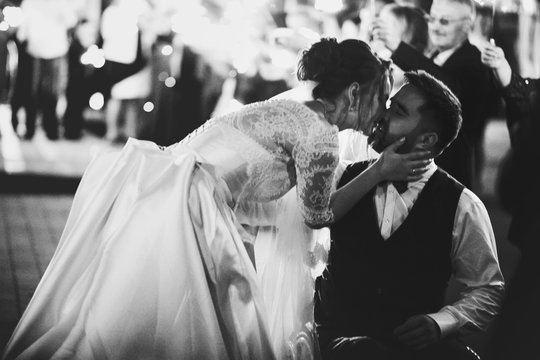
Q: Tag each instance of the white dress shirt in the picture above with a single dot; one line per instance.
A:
(45, 26)
(473, 254)
(120, 30)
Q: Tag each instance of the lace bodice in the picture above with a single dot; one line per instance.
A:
(266, 148)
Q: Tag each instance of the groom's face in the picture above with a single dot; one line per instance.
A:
(401, 119)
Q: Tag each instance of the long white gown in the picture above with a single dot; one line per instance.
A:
(152, 263)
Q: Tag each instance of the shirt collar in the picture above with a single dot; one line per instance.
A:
(443, 55)
(431, 168)
(420, 183)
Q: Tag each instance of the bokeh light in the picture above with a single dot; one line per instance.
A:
(97, 101)
(93, 56)
(13, 15)
(148, 106)
(167, 50)
(170, 82)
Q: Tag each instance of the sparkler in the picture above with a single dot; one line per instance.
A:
(492, 4)
(493, 10)
(372, 7)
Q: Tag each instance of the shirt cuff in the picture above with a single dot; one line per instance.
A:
(516, 88)
(448, 324)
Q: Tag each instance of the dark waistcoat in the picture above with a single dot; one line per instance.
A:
(372, 285)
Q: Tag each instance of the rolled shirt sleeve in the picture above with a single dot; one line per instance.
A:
(475, 266)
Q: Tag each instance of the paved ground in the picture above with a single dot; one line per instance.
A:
(37, 181)
(41, 157)
(30, 227)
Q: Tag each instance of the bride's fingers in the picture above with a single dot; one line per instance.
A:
(418, 155)
(417, 173)
(414, 177)
(419, 170)
(489, 57)
(393, 147)
(419, 164)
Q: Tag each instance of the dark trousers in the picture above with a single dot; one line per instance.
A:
(48, 83)
(76, 92)
(363, 347)
(84, 80)
(22, 87)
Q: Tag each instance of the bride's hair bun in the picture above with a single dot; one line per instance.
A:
(334, 65)
(320, 61)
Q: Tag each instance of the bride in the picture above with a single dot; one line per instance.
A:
(153, 262)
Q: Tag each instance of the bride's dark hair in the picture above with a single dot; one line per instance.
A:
(334, 65)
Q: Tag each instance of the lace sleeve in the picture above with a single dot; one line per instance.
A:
(316, 158)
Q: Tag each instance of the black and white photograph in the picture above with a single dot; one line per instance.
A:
(269, 179)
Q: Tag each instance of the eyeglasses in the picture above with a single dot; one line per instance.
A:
(443, 21)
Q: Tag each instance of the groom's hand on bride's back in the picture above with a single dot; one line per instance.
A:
(418, 332)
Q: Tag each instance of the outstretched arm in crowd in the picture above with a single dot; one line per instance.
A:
(493, 56)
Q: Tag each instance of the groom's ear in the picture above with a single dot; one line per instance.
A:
(427, 141)
(353, 93)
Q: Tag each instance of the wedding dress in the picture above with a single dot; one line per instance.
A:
(152, 263)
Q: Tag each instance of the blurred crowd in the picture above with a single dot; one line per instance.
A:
(157, 69)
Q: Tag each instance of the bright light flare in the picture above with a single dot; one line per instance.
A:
(93, 56)
(97, 101)
(282, 58)
(13, 15)
(170, 82)
(191, 16)
(148, 106)
(329, 6)
(244, 57)
(167, 50)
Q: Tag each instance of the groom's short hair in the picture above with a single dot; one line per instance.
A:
(441, 111)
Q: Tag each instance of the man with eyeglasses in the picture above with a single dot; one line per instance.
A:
(455, 61)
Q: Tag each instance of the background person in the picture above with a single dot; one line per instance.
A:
(516, 332)
(456, 62)
(45, 32)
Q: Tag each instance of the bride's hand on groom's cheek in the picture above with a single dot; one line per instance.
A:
(394, 166)
(418, 332)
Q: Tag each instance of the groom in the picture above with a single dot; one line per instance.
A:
(382, 293)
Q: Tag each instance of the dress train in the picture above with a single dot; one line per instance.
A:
(151, 264)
